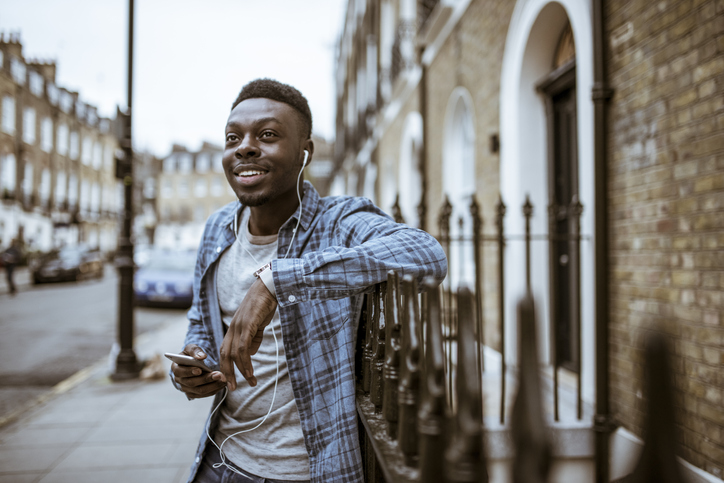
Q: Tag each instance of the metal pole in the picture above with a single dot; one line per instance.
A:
(602, 93)
(127, 366)
(500, 214)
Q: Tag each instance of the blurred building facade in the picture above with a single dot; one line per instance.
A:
(146, 170)
(500, 100)
(192, 185)
(56, 160)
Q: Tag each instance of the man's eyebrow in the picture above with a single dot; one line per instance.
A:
(259, 121)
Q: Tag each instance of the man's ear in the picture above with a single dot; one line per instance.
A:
(308, 146)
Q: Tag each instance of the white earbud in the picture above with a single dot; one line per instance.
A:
(306, 156)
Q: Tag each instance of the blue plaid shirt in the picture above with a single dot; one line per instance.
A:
(344, 247)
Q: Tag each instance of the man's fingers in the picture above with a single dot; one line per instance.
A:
(226, 362)
(194, 351)
(202, 386)
(242, 353)
(185, 371)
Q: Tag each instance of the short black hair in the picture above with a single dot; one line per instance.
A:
(277, 91)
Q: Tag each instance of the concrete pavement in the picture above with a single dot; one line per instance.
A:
(93, 430)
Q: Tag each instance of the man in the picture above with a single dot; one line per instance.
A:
(11, 257)
(278, 290)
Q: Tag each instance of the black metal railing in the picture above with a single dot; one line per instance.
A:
(410, 431)
(486, 262)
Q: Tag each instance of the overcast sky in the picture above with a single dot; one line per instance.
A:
(191, 57)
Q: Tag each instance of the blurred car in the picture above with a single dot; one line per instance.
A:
(68, 264)
(165, 280)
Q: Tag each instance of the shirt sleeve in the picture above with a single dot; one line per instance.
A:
(367, 244)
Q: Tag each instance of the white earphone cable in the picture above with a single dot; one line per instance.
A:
(276, 342)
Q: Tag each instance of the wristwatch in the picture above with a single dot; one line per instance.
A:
(265, 267)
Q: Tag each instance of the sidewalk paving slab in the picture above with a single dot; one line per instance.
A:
(102, 431)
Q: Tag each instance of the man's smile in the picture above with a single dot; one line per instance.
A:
(249, 174)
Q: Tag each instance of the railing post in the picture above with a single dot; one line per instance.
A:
(464, 458)
(575, 211)
(499, 216)
(530, 435)
(553, 210)
(431, 417)
(378, 347)
(410, 374)
(391, 372)
(397, 211)
(478, 257)
(367, 353)
(527, 213)
(658, 462)
(447, 319)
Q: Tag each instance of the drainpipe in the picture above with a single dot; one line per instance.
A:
(601, 95)
(422, 207)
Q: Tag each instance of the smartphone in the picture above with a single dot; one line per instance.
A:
(184, 360)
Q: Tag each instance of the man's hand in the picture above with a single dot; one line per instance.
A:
(245, 333)
(193, 381)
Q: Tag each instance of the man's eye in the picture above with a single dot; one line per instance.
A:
(230, 138)
(267, 134)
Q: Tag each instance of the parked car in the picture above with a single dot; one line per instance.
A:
(165, 280)
(67, 264)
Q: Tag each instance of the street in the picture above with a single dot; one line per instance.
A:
(51, 331)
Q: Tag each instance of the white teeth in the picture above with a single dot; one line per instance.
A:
(250, 173)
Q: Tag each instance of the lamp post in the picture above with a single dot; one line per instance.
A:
(127, 366)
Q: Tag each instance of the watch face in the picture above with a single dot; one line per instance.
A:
(265, 267)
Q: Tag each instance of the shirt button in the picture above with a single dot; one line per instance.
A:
(218, 249)
(198, 459)
(292, 298)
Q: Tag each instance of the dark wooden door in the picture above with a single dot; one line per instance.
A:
(564, 184)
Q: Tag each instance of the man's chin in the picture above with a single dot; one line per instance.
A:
(247, 199)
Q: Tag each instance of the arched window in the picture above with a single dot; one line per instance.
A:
(409, 176)
(458, 173)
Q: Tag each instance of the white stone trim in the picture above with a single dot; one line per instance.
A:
(524, 159)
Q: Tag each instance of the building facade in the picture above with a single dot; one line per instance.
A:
(56, 160)
(614, 137)
(191, 186)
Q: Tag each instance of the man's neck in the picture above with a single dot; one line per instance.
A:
(268, 219)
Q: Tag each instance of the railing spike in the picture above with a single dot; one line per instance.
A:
(431, 416)
(367, 352)
(478, 258)
(658, 462)
(464, 458)
(530, 435)
(378, 347)
(397, 211)
(410, 374)
(391, 371)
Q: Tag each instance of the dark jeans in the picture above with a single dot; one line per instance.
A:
(9, 269)
(208, 474)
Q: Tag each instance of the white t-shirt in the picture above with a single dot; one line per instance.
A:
(276, 449)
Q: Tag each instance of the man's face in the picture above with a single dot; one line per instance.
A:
(263, 151)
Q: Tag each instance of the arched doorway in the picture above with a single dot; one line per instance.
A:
(547, 123)
(559, 91)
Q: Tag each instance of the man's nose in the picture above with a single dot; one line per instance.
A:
(247, 147)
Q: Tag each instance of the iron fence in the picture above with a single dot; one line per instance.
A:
(420, 368)
(411, 433)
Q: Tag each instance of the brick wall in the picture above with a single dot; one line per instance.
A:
(472, 57)
(666, 185)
